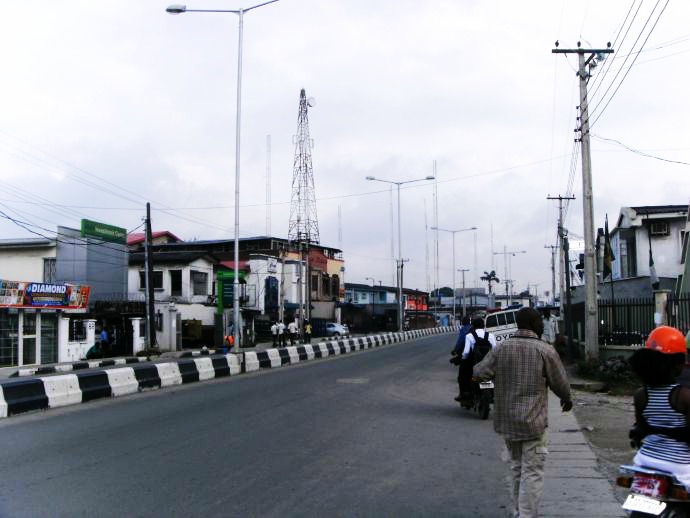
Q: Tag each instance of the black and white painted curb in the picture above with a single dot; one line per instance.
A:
(24, 395)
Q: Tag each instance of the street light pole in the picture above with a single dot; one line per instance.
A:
(464, 301)
(179, 9)
(454, 232)
(399, 261)
(506, 266)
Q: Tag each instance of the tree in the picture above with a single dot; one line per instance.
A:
(490, 277)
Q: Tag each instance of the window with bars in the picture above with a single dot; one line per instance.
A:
(199, 283)
(157, 280)
(49, 265)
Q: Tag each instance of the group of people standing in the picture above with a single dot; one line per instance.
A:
(281, 333)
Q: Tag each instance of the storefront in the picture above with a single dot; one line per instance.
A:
(31, 316)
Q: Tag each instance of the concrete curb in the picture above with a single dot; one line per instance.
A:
(25, 395)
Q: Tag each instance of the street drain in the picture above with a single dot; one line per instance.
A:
(353, 381)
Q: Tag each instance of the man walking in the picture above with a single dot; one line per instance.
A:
(274, 333)
(524, 368)
(292, 331)
(281, 333)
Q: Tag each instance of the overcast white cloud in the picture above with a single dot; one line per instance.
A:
(105, 108)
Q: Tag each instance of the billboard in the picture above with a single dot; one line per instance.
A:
(104, 232)
(24, 294)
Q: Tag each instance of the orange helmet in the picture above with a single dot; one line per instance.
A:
(667, 340)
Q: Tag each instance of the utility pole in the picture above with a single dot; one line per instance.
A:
(562, 263)
(464, 298)
(553, 272)
(584, 68)
(150, 301)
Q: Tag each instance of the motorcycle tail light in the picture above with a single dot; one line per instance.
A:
(679, 493)
(650, 485)
(624, 480)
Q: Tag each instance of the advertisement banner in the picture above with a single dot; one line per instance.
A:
(23, 294)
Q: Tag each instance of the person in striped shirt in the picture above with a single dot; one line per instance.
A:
(662, 406)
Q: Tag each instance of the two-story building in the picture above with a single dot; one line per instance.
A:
(640, 232)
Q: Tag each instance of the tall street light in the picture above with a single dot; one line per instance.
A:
(179, 9)
(464, 300)
(454, 232)
(506, 267)
(400, 259)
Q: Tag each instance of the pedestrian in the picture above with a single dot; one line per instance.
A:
(105, 341)
(307, 332)
(524, 368)
(292, 331)
(456, 354)
(550, 327)
(281, 333)
(274, 333)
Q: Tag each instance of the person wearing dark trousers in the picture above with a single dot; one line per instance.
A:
(456, 353)
(307, 332)
(274, 333)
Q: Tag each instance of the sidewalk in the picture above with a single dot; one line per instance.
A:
(573, 483)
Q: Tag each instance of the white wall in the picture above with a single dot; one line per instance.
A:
(24, 264)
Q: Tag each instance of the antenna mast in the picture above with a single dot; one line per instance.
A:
(303, 226)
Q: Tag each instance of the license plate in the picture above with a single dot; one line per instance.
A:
(644, 504)
(486, 384)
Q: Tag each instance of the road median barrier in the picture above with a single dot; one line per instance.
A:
(87, 384)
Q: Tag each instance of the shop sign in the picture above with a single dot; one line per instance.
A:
(102, 231)
(23, 294)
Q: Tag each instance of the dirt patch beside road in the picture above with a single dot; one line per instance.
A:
(605, 420)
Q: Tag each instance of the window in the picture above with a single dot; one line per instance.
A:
(199, 283)
(660, 228)
(491, 321)
(335, 286)
(628, 254)
(510, 318)
(157, 280)
(501, 319)
(49, 269)
(176, 283)
(325, 285)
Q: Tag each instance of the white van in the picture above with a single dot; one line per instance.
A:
(502, 324)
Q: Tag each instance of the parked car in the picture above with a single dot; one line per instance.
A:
(335, 329)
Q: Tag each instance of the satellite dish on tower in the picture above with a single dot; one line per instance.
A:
(311, 102)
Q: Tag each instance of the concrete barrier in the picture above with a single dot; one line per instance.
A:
(122, 381)
(86, 384)
(169, 374)
(62, 390)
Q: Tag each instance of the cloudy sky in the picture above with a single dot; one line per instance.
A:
(104, 108)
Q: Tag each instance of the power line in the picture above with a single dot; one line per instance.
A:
(638, 152)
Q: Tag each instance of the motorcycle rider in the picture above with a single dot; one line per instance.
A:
(662, 406)
(456, 354)
(477, 332)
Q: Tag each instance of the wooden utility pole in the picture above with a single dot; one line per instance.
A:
(591, 321)
(561, 236)
(553, 272)
(150, 301)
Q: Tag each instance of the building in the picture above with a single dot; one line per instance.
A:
(641, 232)
(370, 307)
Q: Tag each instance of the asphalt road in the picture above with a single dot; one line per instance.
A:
(373, 433)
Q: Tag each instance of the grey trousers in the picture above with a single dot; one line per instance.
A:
(527, 460)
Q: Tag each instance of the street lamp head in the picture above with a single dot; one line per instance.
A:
(430, 178)
(370, 178)
(176, 9)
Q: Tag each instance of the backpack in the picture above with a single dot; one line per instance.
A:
(482, 346)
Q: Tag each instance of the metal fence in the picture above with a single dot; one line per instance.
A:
(629, 321)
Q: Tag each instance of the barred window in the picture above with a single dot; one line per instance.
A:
(199, 283)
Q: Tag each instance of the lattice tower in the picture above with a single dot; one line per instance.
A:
(304, 225)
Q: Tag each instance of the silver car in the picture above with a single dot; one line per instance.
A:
(335, 329)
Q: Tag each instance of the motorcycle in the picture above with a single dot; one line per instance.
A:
(653, 492)
(482, 397)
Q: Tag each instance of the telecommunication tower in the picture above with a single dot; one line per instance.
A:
(304, 225)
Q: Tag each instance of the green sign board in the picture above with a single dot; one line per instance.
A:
(226, 288)
(104, 232)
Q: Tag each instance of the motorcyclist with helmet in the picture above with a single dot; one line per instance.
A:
(662, 406)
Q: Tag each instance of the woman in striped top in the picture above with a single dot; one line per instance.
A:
(662, 406)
